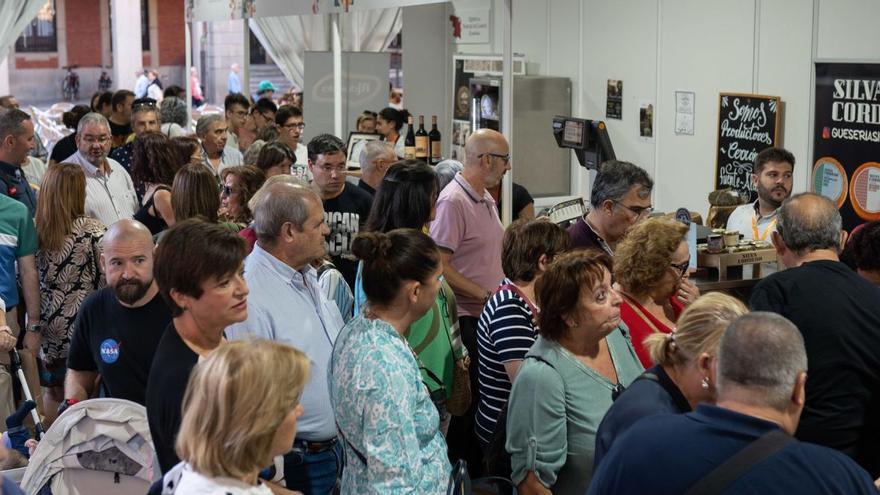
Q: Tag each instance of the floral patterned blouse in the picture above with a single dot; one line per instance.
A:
(67, 276)
(389, 425)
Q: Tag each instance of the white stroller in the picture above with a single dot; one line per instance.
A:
(97, 446)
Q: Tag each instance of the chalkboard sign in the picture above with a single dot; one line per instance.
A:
(746, 125)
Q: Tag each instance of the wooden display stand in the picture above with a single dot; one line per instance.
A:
(724, 260)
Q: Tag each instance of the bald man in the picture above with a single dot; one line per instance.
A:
(836, 312)
(118, 327)
(468, 231)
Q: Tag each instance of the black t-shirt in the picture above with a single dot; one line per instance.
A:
(119, 129)
(118, 342)
(838, 313)
(346, 214)
(521, 199)
(366, 187)
(64, 148)
(168, 378)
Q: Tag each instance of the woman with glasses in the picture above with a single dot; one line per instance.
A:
(507, 328)
(239, 186)
(681, 378)
(384, 414)
(651, 264)
(580, 362)
(405, 200)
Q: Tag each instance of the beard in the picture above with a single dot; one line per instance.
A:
(131, 291)
(766, 195)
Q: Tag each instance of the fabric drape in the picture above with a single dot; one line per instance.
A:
(14, 17)
(286, 38)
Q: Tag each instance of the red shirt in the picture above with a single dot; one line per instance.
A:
(642, 323)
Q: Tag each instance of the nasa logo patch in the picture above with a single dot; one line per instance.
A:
(109, 351)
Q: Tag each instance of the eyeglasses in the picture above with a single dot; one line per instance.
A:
(102, 140)
(506, 157)
(640, 211)
(142, 103)
(290, 127)
(682, 268)
(227, 191)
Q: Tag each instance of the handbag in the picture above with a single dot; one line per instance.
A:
(460, 399)
(460, 482)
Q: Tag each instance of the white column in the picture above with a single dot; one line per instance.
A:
(127, 50)
(337, 77)
(4, 73)
(507, 107)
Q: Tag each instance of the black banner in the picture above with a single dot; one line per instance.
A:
(846, 140)
(746, 125)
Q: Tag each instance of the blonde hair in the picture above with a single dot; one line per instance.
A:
(62, 199)
(643, 256)
(699, 330)
(235, 402)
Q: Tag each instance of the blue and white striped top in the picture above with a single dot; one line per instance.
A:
(505, 333)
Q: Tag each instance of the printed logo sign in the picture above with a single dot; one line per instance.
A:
(109, 351)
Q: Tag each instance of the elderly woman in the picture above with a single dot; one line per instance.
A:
(67, 260)
(651, 264)
(680, 380)
(199, 268)
(220, 453)
(507, 329)
(383, 411)
(239, 186)
(172, 111)
(581, 360)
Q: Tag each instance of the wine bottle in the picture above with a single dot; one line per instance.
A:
(409, 144)
(423, 150)
(436, 142)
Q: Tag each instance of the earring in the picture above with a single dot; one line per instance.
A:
(705, 383)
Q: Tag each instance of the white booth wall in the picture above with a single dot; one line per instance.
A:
(657, 47)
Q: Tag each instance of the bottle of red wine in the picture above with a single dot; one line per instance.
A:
(409, 143)
(436, 142)
(423, 150)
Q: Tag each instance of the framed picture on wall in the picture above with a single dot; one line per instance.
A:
(356, 142)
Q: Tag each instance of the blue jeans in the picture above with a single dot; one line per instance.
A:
(313, 474)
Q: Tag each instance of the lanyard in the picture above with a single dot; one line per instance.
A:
(763, 236)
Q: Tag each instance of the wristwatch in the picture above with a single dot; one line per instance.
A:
(34, 327)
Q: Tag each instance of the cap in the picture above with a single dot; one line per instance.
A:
(265, 86)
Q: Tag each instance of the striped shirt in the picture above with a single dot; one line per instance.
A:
(505, 333)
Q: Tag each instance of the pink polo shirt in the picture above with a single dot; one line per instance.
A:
(468, 225)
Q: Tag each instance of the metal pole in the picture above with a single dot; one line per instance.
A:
(337, 76)
(507, 108)
(187, 30)
(246, 66)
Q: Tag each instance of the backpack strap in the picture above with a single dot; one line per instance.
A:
(741, 463)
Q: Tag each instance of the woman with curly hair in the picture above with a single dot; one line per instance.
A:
(239, 185)
(153, 164)
(651, 265)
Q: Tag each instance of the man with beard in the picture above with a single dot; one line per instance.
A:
(118, 327)
(772, 177)
(110, 194)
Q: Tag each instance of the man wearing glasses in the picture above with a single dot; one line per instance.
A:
(144, 118)
(110, 194)
(621, 197)
(290, 129)
(346, 206)
(468, 232)
(236, 105)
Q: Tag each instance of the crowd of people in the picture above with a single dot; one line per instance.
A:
(366, 336)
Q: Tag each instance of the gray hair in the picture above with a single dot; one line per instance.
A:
(92, 118)
(280, 203)
(373, 151)
(11, 122)
(253, 152)
(763, 353)
(173, 110)
(205, 122)
(285, 178)
(810, 226)
(615, 179)
(446, 170)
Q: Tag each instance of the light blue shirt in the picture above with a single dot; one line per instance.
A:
(288, 306)
(233, 83)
